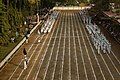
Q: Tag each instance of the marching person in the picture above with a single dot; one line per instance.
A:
(24, 51)
(25, 58)
(27, 34)
(38, 32)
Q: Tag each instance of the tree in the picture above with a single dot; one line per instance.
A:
(101, 4)
(4, 25)
(115, 1)
(13, 13)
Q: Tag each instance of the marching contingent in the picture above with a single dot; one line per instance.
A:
(47, 26)
(98, 39)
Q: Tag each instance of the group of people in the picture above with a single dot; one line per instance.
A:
(98, 39)
(47, 26)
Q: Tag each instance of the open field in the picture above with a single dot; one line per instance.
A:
(64, 54)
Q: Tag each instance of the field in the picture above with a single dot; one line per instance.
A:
(66, 53)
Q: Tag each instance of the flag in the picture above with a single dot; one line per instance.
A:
(24, 51)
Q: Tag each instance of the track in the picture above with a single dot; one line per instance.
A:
(64, 54)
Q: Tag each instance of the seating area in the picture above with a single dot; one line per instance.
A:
(48, 24)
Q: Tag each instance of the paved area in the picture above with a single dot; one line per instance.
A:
(64, 54)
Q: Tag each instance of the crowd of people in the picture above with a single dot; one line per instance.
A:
(47, 26)
(97, 37)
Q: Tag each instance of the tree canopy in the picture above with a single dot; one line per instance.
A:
(13, 13)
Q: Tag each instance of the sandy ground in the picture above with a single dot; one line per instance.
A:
(66, 53)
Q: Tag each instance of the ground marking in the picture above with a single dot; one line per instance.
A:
(69, 51)
(87, 53)
(57, 52)
(75, 48)
(63, 52)
(107, 66)
(22, 60)
(95, 55)
(44, 55)
(51, 54)
(30, 57)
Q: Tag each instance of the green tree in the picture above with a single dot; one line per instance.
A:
(101, 4)
(4, 24)
(115, 1)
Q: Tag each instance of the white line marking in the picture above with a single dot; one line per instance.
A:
(44, 56)
(87, 53)
(95, 55)
(82, 56)
(51, 54)
(114, 65)
(69, 51)
(107, 66)
(115, 57)
(69, 36)
(36, 58)
(21, 61)
(57, 52)
(30, 58)
(75, 47)
(63, 53)
(103, 60)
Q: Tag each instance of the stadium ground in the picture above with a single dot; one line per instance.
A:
(66, 53)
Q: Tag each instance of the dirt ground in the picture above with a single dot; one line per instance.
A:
(66, 53)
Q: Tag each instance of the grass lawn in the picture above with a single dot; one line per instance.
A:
(5, 50)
